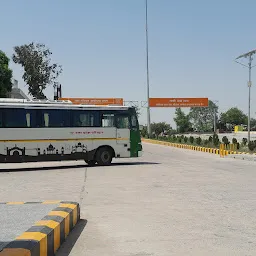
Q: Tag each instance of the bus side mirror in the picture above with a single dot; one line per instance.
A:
(141, 127)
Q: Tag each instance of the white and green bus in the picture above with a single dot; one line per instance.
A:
(32, 131)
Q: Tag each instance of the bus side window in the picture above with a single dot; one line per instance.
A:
(15, 118)
(122, 122)
(46, 119)
(107, 120)
(1, 119)
(28, 119)
(56, 118)
(30, 115)
(134, 121)
(86, 120)
(82, 118)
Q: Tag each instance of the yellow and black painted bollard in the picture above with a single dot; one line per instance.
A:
(222, 150)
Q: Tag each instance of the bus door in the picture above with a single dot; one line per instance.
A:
(123, 133)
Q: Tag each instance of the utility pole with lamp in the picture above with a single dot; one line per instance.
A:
(215, 117)
(148, 107)
(249, 66)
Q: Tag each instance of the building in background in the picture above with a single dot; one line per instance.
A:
(16, 92)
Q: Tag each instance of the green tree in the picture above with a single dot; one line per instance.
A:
(38, 70)
(233, 116)
(144, 131)
(162, 127)
(5, 76)
(182, 121)
(202, 118)
(253, 122)
(137, 109)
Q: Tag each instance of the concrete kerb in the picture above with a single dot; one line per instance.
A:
(46, 236)
(220, 152)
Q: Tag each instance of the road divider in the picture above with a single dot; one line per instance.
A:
(46, 236)
(223, 151)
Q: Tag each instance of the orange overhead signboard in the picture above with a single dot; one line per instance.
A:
(178, 102)
(96, 101)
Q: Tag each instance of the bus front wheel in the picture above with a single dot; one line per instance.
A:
(104, 156)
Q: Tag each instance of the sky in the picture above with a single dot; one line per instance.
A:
(101, 47)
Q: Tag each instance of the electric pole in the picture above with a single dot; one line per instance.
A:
(148, 107)
(249, 66)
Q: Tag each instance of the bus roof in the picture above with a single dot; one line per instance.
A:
(9, 102)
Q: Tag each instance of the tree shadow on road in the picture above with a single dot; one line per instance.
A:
(72, 238)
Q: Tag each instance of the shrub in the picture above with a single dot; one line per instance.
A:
(144, 133)
(153, 136)
(215, 140)
(164, 138)
(251, 145)
(225, 140)
(244, 141)
(174, 138)
(182, 137)
(185, 139)
(205, 142)
(210, 139)
(191, 139)
(237, 145)
(179, 139)
(234, 141)
(198, 141)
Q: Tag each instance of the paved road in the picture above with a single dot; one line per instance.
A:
(172, 202)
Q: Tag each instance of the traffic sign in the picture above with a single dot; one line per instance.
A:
(178, 102)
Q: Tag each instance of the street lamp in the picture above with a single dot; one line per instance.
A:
(148, 107)
(249, 56)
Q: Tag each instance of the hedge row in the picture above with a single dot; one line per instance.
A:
(212, 141)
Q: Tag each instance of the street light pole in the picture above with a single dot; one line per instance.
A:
(215, 117)
(249, 98)
(148, 107)
(214, 125)
(249, 56)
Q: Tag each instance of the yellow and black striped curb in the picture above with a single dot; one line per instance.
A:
(222, 152)
(45, 236)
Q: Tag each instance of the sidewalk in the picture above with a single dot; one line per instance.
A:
(247, 157)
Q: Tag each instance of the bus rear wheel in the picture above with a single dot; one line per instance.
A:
(91, 162)
(104, 156)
